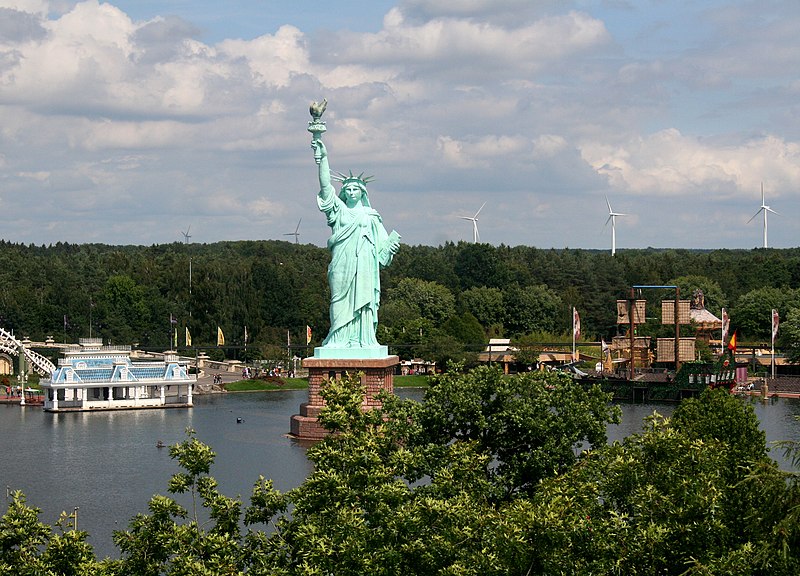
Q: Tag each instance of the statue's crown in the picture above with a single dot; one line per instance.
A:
(346, 179)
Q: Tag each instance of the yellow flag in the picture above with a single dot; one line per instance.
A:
(188, 337)
(220, 337)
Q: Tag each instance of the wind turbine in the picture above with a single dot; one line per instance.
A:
(186, 234)
(475, 236)
(296, 232)
(612, 217)
(764, 208)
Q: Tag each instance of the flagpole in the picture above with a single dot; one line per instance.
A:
(774, 322)
(573, 334)
(773, 357)
(725, 325)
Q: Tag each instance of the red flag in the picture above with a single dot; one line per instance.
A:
(732, 343)
(576, 324)
(308, 334)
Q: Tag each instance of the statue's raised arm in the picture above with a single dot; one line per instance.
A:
(321, 158)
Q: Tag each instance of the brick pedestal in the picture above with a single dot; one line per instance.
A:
(377, 376)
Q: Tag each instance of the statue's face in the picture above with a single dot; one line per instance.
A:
(352, 193)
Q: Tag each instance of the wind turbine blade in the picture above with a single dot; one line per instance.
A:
(479, 210)
(610, 211)
(754, 215)
(467, 218)
(768, 209)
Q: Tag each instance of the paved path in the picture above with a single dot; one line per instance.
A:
(206, 381)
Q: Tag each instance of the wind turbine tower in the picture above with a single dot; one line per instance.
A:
(475, 236)
(764, 208)
(612, 217)
(296, 232)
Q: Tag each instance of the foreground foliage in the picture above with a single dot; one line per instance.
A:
(489, 475)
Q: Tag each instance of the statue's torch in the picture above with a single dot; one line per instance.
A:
(316, 126)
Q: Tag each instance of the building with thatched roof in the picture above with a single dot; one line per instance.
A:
(704, 321)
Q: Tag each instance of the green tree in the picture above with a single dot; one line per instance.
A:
(422, 299)
(467, 330)
(486, 304)
(752, 315)
(529, 426)
(203, 539)
(122, 311)
(361, 510)
(478, 265)
(531, 309)
(687, 495)
(29, 548)
(790, 334)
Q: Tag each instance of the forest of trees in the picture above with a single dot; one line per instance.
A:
(438, 302)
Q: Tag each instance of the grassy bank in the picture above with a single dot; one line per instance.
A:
(410, 381)
(302, 384)
(263, 385)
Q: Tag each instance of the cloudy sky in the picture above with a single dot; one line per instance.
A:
(129, 121)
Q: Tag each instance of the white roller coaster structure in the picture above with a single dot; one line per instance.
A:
(10, 345)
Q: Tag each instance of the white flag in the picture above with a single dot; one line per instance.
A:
(726, 324)
(775, 323)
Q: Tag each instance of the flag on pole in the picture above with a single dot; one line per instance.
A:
(732, 343)
(175, 339)
(308, 334)
(726, 324)
(188, 337)
(220, 337)
(604, 347)
(576, 324)
(775, 323)
(245, 334)
(172, 319)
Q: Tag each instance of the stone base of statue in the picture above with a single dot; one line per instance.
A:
(377, 375)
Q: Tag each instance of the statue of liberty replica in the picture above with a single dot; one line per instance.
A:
(360, 247)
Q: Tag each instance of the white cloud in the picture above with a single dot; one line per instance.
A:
(672, 164)
(539, 107)
(40, 7)
(468, 44)
(273, 59)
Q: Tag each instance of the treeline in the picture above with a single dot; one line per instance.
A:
(436, 301)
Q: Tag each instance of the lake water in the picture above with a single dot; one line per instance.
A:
(107, 463)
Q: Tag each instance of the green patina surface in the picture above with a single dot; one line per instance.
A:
(360, 247)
